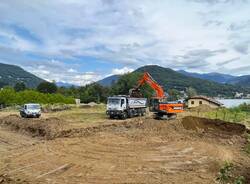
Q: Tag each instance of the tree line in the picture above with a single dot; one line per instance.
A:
(49, 93)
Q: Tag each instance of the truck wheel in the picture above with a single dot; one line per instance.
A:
(125, 115)
(130, 115)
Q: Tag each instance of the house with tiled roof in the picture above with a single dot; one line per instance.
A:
(196, 101)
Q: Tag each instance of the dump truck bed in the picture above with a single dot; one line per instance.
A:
(137, 102)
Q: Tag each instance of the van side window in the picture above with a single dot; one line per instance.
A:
(25, 107)
(192, 102)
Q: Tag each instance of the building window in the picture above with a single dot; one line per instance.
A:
(192, 102)
(200, 102)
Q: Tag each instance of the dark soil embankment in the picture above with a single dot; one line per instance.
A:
(45, 128)
(213, 126)
(52, 128)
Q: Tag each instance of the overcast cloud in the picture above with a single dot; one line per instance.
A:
(81, 41)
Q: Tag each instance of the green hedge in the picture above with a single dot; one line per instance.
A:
(8, 96)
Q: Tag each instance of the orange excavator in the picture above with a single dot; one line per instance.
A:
(158, 104)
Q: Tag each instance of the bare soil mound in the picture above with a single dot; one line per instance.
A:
(213, 126)
(46, 128)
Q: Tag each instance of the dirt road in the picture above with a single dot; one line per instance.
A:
(135, 151)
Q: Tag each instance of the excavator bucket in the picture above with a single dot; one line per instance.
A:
(135, 92)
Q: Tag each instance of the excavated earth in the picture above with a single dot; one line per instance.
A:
(139, 150)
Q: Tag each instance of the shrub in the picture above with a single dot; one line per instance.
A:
(8, 97)
(225, 173)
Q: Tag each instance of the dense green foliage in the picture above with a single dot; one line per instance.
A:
(11, 74)
(8, 96)
(47, 87)
(20, 86)
(244, 107)
(2, 84)
(93, 93)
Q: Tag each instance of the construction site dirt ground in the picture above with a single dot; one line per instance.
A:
(71, 148)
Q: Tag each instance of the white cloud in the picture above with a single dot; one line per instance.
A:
(71, 70)
(55, 70)
(117, 71)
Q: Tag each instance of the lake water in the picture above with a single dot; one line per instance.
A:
(233, 102)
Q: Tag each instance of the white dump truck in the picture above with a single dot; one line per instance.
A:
(126, 107)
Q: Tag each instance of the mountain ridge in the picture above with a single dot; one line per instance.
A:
(12, 74)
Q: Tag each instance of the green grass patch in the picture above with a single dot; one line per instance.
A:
(231, 115)
(226, 175)
(83, 115)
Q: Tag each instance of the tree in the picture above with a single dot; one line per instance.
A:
(191, 92)
(7, 96)
(173, 94)
(47, 87)
(93, 93)
(20, 86)
(2, 84)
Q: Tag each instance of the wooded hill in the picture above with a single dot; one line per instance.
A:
(11, 74)
(171, 79)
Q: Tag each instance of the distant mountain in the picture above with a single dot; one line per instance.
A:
(12, 74)
(108, 81)
(64, 84)
(241, 80)
(216, 77)
(171, 79)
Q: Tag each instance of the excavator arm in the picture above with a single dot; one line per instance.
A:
(152, 83)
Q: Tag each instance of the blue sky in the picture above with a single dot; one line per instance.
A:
(81, 41)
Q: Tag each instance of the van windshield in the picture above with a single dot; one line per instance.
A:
(34, 106)
(114, 101)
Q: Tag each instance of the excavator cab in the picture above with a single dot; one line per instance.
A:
(154, 104)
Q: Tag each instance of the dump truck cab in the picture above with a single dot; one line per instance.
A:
(117, 103)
